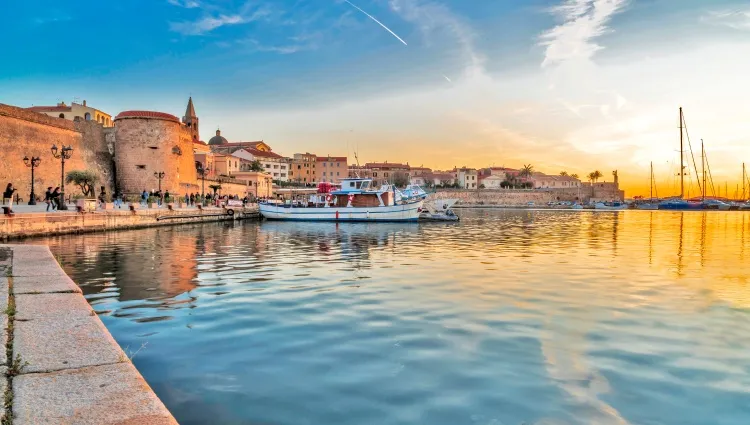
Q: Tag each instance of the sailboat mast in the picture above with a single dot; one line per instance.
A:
(652, 180)
(682, 165)
(744, 177)
(703, 171)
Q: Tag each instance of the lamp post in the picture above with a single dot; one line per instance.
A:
(64, 153)
(32, 163)
(160, 175)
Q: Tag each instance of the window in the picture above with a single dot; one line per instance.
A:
(153, 147)
(140, 167)
(374, 174)
(337, 173)
(324, 173)
(176, 150)
(385, 174)
(324, 164)
(268, 165)
(87, 116)
(61, 115)
(284, 174)
(275, 166)
(351, 184)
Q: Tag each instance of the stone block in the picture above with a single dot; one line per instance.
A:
(35, 260)
(51, 344)
(99, 395)
(44, 284)
(51, 306)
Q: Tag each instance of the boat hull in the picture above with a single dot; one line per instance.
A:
(395, 213)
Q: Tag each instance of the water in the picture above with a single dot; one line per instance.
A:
(508, 317)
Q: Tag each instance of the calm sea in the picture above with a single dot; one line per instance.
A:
(508, 317)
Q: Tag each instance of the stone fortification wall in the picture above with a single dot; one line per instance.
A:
(144, 146)
(509, 198)
(185, 170)
(26, 133)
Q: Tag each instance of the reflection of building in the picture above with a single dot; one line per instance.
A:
(75, 111)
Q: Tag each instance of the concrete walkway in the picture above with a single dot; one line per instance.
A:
(62, 365)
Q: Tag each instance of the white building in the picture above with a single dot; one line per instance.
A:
(467, 178)
(272, 163)
(492, 181)
(73, 111)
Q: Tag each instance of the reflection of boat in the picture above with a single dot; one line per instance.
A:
(439, 210)
(355, 201)
(610, 206)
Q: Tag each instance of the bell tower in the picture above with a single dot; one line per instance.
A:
(191, 120)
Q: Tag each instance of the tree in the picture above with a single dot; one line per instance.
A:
(595, 175)
(563, 173)
(256, 166)
(527, 171)
(214, 187)
(574, 175)
(446, 182)
(481, 186)
(400, 179)
(505, 184)
(84, 179)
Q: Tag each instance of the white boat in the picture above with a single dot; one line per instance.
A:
(610, 206)
(356, 201)
(577, 206)
(715, 204)
(439, 210)
(745, 206)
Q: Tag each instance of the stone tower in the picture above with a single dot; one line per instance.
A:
(191, 120)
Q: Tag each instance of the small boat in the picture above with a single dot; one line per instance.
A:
(439, 210)
(647, 206)
(355, 201)
(610, 206)
(577, 206)
(715, 204)
(652, 203)
(679, 204)
(745, 206)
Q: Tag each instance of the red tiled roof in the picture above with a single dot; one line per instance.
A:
(266, 154)
(386, 165)
(50, 109)
(331, 158)
(147, 114)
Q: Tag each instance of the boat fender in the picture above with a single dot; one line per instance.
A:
(230, 212)
(337, 215)
(329, 198)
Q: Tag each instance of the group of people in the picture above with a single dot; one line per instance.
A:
(51, 197)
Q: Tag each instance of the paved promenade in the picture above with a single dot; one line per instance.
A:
(61, 364)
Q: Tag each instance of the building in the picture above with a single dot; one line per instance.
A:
(331, 168)
(443, 178)
(80, 111)
(492, 181)
(467, 178)
(544, 181)
(190, 120)
(274, 164)
(303, 168)
(388, 173)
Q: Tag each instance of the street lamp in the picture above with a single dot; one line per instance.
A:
(32, 163)
(64, 153)
(160, 175)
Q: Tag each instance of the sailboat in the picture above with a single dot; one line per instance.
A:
(679, 203)
(652, 203)
(745, 205)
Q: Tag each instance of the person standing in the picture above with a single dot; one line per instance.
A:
(144, 197)
(55, 198)
(48, 198)
(8, 194)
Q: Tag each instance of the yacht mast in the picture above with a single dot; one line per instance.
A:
(703, 168)
(682, 165)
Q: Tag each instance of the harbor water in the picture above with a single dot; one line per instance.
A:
(507, 317)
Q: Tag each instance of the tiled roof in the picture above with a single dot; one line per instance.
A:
(50, 109)
(265, 154)
(147, 114)
(331, 158)
(386, 165)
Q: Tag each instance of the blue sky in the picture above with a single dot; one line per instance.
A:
(563, 84)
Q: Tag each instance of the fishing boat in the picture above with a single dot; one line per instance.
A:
(439, 210)
(356, 200)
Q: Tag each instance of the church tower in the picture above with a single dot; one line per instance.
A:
(191, 120)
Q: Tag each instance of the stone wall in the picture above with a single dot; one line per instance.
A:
(26, 133)
(503, 197)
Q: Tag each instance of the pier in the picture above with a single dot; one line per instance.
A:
(60, 364)
(27, 222)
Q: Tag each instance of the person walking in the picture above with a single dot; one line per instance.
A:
(48, 198)
(55, 198)
(191, 199)
(144, 197)
(8, 194)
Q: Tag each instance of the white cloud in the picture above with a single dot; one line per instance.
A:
(210, 23)
(582, 22)
(187, 4)
(735, 19)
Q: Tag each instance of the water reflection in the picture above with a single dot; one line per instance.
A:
(537, 317)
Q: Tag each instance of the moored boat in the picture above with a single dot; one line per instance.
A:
(610, 206)
(355, 201)
(439, 210)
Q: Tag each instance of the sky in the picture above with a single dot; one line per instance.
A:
(564, 85)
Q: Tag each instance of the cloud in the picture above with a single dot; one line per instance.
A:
(582, 22)
(210, 23)
(187, 4)
(51, 19)
(735, 19)
(433, 18)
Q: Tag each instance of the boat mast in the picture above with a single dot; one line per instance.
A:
(682, 165)
(703, 168)
(652, 180)
(744, 177)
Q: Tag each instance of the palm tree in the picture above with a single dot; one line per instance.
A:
(597, 175)
(527, 171)
(574, 175)
(563, 173)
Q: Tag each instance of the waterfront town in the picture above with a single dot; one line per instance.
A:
(119, 157)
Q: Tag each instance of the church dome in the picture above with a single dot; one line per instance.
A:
(217, 140)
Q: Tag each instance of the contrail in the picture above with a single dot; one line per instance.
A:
(447, 79)
(378, 22)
